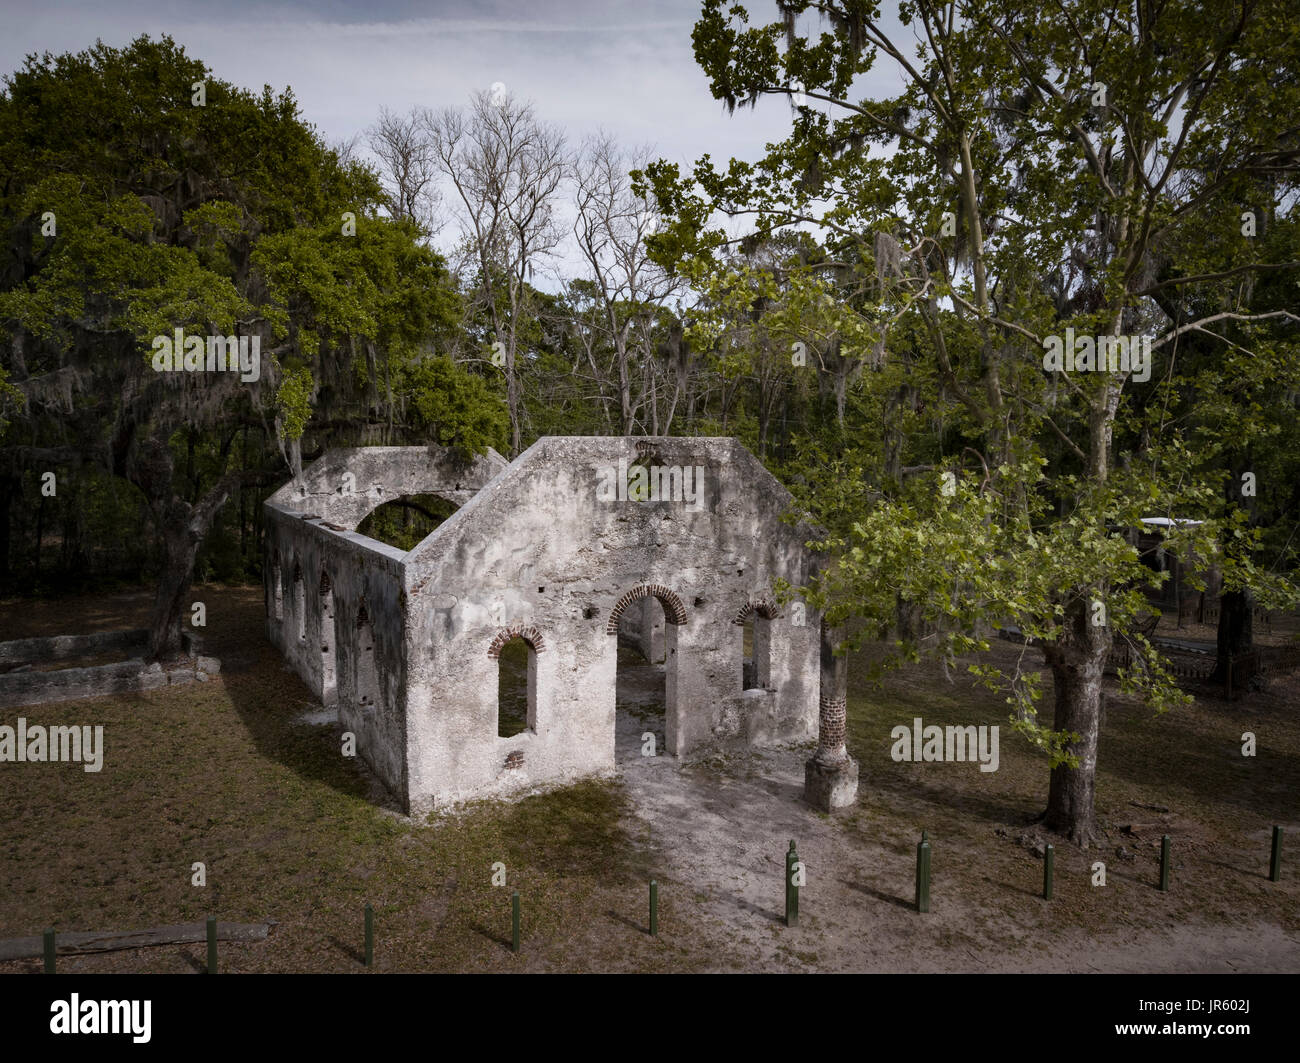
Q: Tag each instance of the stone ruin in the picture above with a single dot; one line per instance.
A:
(563, 548)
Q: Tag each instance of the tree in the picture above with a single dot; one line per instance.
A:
(505, 168)
(407, 167)
(146, 196)
(1040, 168)
(610, 226)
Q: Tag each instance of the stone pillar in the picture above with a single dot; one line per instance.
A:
(831, 776)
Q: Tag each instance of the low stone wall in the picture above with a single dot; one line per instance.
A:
(64, 684)
(58, 647)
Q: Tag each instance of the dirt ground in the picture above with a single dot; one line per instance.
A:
(239, 773)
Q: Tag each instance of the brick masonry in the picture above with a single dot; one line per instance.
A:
(674, 609)
(516, 631)
(764, 607)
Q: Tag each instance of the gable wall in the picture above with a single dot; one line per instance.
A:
(536, 548)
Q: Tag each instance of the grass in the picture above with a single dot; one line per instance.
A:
(290, 832)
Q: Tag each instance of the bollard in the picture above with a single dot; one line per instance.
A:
(514, 921)
(49, 952)
(1049, 866)
(1164, 863)
(654, 908)
(789, 872)
(370, 936)
(923, 873)
(791, 887)
(212, 944)
(1275, 861)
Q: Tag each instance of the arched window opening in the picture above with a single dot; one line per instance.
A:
(300, 601)
(327, 646)
(367, 674)
(755, 623)
(277, 591)
(516, 688)
(405, 522)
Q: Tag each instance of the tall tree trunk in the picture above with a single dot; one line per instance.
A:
(1078, 665)
(178, 549)
(1236, 632)
(181, 527)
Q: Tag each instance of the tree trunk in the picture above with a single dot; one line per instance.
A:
(1078, 664)
(179, 548)
(181, 527)
(1236, 629)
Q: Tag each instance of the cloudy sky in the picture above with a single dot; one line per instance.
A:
(624, 67)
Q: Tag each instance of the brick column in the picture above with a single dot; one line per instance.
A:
(831, 776)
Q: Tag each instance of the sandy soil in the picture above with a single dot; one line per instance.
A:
(724, 822)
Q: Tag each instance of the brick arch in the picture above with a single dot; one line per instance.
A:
(674, 610)
(764, 607)
(516, 631)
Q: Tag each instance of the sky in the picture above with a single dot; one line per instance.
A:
(623, 67)
(626, 68)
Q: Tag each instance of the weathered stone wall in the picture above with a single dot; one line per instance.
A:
(347, 484)
(407, 643)
(339, 618)
(537, 549)
(359, 572)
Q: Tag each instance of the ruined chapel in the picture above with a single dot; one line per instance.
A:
(406, 644)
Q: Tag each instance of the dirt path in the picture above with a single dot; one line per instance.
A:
(723, 825)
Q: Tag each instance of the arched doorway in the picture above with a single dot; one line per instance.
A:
(644, 626)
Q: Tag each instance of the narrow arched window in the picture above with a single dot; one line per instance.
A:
(367, 673)
(300, 602)
(516, 688)
(277, 591)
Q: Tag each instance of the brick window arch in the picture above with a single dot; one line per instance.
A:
(674, 610)
(516, 684)
(516, 631)
(755, 620)
(764, 607)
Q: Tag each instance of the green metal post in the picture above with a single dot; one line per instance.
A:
(789, 871)
(1049, 867)
(923, 874)
(49, 952)
(791, 888)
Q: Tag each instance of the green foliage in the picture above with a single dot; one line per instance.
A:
(455, 407)
(293, 401)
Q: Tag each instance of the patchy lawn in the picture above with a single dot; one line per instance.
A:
(227, 773)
